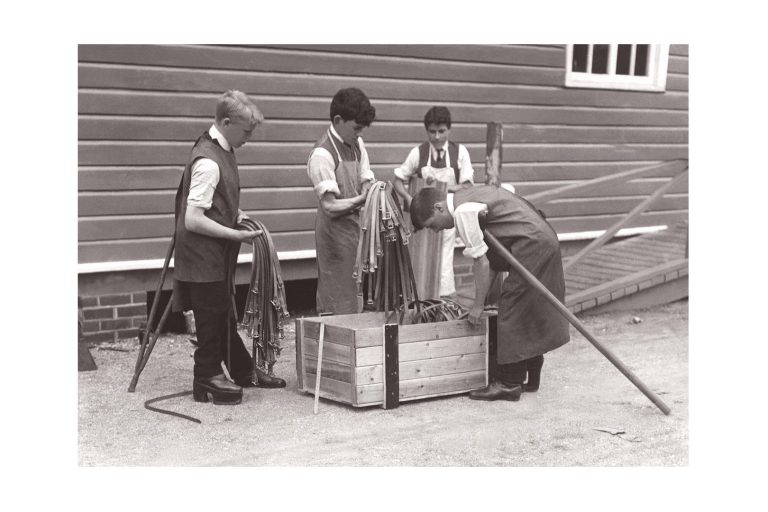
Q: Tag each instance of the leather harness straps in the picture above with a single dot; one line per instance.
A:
(265, 306)
(383, 270)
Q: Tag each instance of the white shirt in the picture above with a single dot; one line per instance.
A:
(411, 165)
(205, 175)
(322, 171)
(465, 217)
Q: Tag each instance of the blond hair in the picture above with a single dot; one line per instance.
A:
(236, 104)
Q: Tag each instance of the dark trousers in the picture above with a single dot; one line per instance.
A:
(513, 374)
(212, 307)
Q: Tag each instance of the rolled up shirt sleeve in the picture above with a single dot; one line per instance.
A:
(202, 184)
(467, 223)
(409, 167)
(321, 172)
(466, 171)
(366, 174)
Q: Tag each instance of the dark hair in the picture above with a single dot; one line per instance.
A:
(423, 205)
(352, 103)
(437, 115)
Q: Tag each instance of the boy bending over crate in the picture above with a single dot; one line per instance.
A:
(528, 325)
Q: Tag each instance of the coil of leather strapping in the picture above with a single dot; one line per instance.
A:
(383, 269)
(265, 305)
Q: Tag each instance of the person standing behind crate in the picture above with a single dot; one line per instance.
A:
(528, 324)
(207, 211)
(441, 160)
(341, 175)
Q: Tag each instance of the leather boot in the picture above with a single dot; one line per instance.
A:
(497, 391)
(261, 379)
(533, 366)
(223, 391)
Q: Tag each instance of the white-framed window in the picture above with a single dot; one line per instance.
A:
(634, 67)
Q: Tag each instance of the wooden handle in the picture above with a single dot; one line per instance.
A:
(319, 365)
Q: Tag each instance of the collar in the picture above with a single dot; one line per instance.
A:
(333, 132)
(219, 137)
(434, 149)
(449, 202)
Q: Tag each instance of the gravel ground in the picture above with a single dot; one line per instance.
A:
(581, 392)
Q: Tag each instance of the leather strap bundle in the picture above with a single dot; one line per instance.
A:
(265, 305)
(439, 310)
(383, 269)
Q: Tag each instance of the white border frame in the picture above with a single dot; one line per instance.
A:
(656, 81)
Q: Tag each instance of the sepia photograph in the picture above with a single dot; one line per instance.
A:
(373, 256)
(383, 255)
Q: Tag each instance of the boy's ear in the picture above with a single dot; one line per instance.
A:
(439, 206)
(336, 119)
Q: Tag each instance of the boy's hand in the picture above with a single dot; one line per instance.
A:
(430, 180)
(475, 314)
(247, 235)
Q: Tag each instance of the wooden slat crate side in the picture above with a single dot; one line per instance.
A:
(442, 385)
(419, 332)
(333, 332)
(330, 388)
(422, 368)
(331, 369)
(429, 349)
(331, 351)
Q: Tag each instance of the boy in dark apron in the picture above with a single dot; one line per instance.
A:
(341, 176)
(528, 325)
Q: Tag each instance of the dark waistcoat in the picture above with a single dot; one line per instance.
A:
(453, 153)
(200, 258)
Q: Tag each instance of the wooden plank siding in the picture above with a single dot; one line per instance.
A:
(140, 108)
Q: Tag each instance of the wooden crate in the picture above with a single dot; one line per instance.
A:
(366, 362)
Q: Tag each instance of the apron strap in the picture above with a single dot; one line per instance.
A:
(338, 154)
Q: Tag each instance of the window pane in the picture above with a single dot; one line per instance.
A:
(580, 57)
(623, 56)
(641, 60)
(600, 59)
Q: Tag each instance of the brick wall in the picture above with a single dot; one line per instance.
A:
(462, 269)
(113, 317)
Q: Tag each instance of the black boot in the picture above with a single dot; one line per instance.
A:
(497, 391)
(533, 366)
(261, 379)
(223, 391)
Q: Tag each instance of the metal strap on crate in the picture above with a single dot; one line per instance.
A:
(391, 367)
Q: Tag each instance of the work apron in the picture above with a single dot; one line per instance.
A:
(528, 324)
(336, 244)
(444, 174)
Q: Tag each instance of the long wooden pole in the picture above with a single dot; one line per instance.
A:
(575, 322)
(493, 154)
(319, 365)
